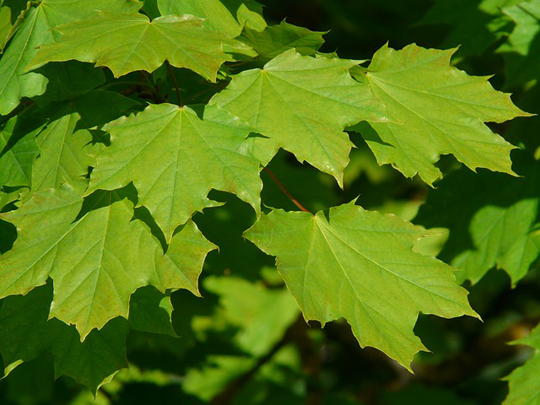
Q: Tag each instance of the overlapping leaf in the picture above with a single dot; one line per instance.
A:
(27, 333)
(277, 39)
(36, 30)
(436, 109)
(97, 261)
(474, 25)
(5, 26)
(129, 42)
(218, 16)
(18, 150)
(64, 145)
(524, 382)
(174, 158)
(491, 217)
(521, 49)
(303, 104)
(360, 265)
(262, 314)
(151, 311)
(261, 317)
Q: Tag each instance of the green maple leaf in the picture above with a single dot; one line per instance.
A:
(26, 333)
(97, 261)
(474, 25)
(64, 145)
(360, 265)
(69, 80)
(5, 26)
(263, 315)
(277, 39)
(6, 198)
(151, 311)
(215, 375)
(129, 42)
(523, 381)
(492, 219)
(303, 105)
(436, 109)
(36, 30)
(214, 11)
(174, 158)
(18, 151)
(521, 49)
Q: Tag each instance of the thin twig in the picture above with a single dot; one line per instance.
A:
(171, 71)
(226, 397)
(282, 187)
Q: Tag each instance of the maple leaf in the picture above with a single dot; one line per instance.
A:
(174, 158)
(436, 109)
(18, 150)
(520, 51)
(27, 333)
(263, 315)
(69, 80)
(151, 311)
(64, 152)
(219, 18)
(473, 25)
(523, 381)
(277, 39)
(36, 30)
(5, 26)
(129, 42)
(97, 261)
(359, 265)
(492, 219)
(303, 105)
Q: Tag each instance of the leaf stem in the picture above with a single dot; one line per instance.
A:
(171, 71)
(285, 191)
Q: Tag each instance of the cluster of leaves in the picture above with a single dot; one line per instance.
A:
(126, 127)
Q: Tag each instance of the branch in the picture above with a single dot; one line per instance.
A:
(171, 71)
(226, 397)
(282, 187)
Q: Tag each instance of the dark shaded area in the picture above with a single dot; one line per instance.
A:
(313, 365)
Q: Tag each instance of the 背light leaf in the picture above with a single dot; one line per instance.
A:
(491, 218)
(436, 109)
(151, 311)
(26, 333)
(65, 144)
(523, 381)
(277, 39)
(218, 17)
(97, 261)
(360, 265)
(129, 42)
(262, 315)
(18, 151)
(473, 25)
(174, 158)
(303, 105)
(5, 26)
(521, 49)
(36, 30)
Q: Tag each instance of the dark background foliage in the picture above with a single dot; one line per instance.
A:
(308, 364)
